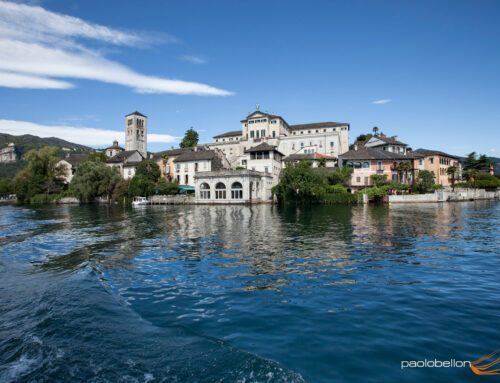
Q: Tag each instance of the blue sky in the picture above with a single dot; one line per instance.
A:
(435, 63)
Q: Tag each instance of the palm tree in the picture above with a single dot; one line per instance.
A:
(375, 130)
(404, 168)
(452, 170)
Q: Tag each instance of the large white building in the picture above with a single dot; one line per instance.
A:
(136, 133)
(326, 138)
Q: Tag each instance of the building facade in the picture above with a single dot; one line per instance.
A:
(233, 187)
(113, 150)
(9, 153)
(438, 163)
(368, 161)
(188, 164)
(126, 162)
(165, 160)
(70, 164)
(136, 133)
(326, 138)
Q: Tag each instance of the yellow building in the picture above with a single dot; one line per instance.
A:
(165, 161)
(438, 163)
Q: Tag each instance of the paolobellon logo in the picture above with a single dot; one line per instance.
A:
(486, 365)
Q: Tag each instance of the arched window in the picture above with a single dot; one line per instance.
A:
(220, 191)
(205, 191)
(366, 165)
(357, 165)
(350, 164)
(236, 190)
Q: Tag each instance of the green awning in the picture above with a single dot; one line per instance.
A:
(187, 187)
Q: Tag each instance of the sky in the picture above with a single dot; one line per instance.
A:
(426, 71)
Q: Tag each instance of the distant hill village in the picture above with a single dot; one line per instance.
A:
(243, 165)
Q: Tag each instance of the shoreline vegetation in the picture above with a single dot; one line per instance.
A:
(41, 182)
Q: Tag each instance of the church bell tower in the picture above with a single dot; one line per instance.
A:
(136, 133)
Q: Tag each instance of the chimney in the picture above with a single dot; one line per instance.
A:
(355, 146)
(195, 148)
(172, 147)
(396, 138)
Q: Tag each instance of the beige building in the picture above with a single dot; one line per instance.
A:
(233, 187)
(165, 161)
(136, 133)
(9, 153)
(126, 162)
(113, 150)
(438, 163)
(389, 144)
(326, 138)
(191, 162)
(70, 163)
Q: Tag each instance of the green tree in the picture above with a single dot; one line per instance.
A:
(120, 192)
(425, 181)
(340, 176)
(141, 186)
(149, 169)
(403, 169)
(44, 164)
(97, 157)
(190, 139)
(452, 171)
(379, 179)
(164, 187)
(6, 187)
(375, 130)
(470, 161)
(93, 179)
(483, 162)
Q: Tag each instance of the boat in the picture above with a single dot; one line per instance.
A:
(140, 201)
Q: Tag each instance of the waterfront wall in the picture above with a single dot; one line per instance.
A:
(171, 199)
(446, 195)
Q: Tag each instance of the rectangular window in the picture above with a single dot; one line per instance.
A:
(379, 165)
(266, 169)
(331, 144)
(358, 179)
(262, 133)
(256, 134)
(252, 134)
(129, 122)
(274, 133)
(301, 144)
(266, 155)
(186, 179)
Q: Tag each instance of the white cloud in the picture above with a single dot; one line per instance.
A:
(383, 101)
(193, 59)
(16, 80)
(83, 136)
(493, 150)
(39, 45)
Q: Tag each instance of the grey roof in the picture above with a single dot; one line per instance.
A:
(389, 140)
(75, 159)
(230, 172)
(136, 113)
(131, 163)
(198, 155)
(366, 153)
(171, 152)
(263, 147)
(306, 156)
(427, 152)
(318, 125)
(270, 116)
(114, 147)
(122, 156)
(234, 133)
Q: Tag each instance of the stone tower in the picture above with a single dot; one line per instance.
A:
(136, 132)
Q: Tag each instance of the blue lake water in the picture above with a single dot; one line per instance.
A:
(247, 294)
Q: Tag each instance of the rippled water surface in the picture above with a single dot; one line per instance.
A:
(247, 294)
